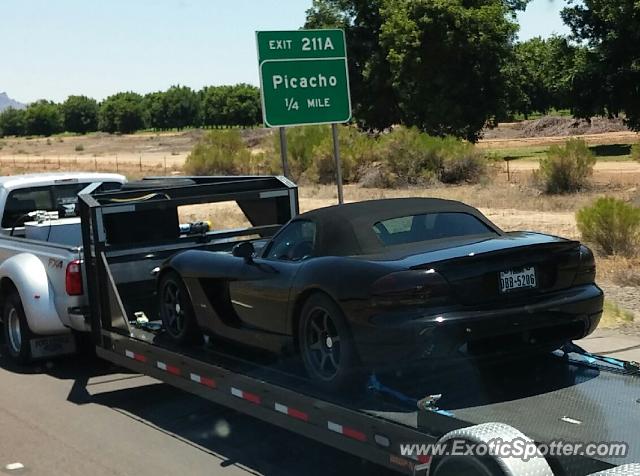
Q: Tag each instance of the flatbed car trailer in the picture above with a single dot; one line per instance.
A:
(570, 396)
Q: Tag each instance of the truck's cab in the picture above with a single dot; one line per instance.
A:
(22, 195)
(42, 284)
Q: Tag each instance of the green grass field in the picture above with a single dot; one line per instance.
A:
(614, 152)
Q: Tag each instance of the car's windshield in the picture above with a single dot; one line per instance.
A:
(429, 226)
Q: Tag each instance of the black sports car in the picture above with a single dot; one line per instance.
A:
(363, 285)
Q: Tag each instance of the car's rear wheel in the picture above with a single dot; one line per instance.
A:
(326, 345)
(17, 335)
(176, 310)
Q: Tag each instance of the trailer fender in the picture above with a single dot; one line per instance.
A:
(29, 276)
(625, 470)
(534, 464)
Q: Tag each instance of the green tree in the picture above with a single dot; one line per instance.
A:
(12, 122)
(43, 118)
(447, 61)
(214, 106)
(432, 64)
(80, 114)
(156, 111)
(608, 73)
(122, 112)
(182, 106)
(539, 75)
(243, 105)
(375, 105)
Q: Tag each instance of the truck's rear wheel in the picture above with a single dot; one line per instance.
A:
(17, 335)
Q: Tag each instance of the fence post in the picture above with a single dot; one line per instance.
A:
(140, 162)
(95, 162)
(117, 169)
(165, 164)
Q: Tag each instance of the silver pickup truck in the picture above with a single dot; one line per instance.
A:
(42, 284)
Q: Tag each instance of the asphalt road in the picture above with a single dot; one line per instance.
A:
(84, 417)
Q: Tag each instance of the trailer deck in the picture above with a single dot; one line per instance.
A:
(547, 398)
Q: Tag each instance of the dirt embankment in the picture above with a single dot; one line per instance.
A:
(551, 130)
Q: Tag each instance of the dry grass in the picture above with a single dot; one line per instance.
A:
(619, 270)
(613, 316)
(223, 216)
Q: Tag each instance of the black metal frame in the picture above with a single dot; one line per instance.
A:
(362, 433)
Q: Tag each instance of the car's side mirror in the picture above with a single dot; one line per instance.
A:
(244, 250)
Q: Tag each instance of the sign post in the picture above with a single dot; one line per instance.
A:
(304, 80)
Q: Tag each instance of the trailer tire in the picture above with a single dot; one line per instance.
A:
(176, 310)
(17, 335)
(465, 466)
(482, 435)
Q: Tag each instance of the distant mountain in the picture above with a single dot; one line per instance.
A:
(6, 102)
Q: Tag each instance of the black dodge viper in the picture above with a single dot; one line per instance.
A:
(368, 284)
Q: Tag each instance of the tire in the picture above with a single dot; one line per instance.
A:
(176, 310)
(17, 335)
(326, 345)
(466, 466)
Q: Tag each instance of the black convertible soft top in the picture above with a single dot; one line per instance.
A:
(346, 230)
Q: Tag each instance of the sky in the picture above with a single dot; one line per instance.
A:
(52, 49)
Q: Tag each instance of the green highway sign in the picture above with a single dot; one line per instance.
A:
(303, 77)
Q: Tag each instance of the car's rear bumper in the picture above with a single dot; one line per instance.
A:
(561, 317)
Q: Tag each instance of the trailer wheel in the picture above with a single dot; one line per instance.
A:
(17, 335)
(176, 310)
(326, 346)
(465, 466)
(487, 464)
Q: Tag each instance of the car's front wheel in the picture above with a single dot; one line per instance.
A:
(176, 310)
(326, 345)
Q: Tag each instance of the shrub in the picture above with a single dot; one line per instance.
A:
(566, 168)
(79, 148)
(301, 142)
(356, 150)
(465, 166)
(612, 225)
(635, 152)
(416, 158)
(219, 152)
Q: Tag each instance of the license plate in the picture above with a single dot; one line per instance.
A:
(43, 347)
(518, 279)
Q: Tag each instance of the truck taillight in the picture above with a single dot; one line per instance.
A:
(73, 278)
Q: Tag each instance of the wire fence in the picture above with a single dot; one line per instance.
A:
(140, 163)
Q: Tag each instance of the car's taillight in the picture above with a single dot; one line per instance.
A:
(586, 273)
(409, 288)
(73, 278)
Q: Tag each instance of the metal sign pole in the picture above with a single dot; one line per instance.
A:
(336, 154)
(283, 152)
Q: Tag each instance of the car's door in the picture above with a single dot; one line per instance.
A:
(261, 296)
